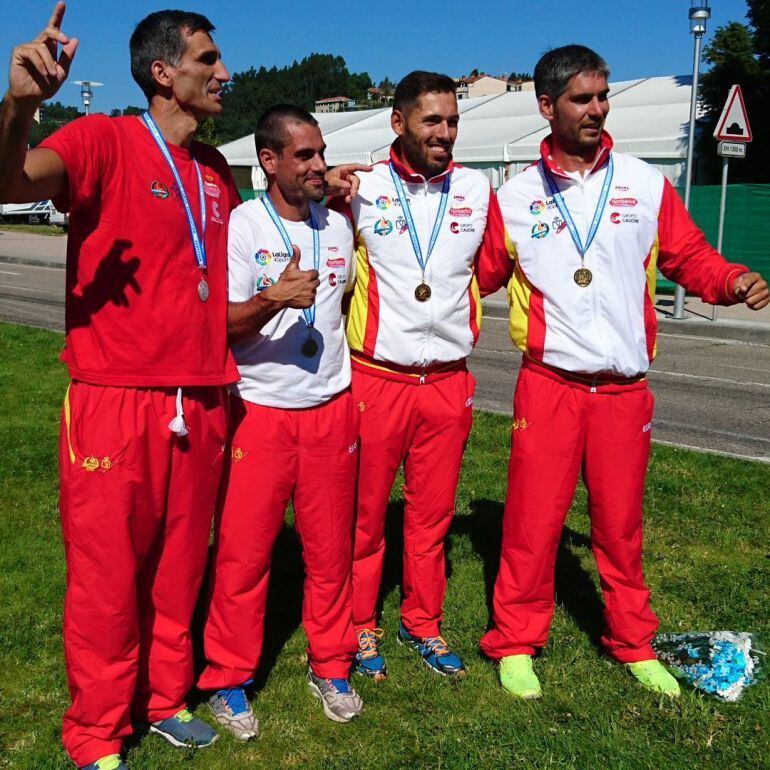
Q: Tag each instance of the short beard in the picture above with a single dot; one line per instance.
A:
(419, 163)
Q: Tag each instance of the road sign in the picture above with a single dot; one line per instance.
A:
(733, 124)
(731, 149)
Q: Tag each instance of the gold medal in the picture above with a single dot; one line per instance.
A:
(583, 276)
(309, 348)
(422, 292)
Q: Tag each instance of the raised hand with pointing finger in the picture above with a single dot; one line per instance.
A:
(38, 68)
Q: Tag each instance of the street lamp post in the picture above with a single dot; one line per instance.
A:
(699, 16)
(86, 92)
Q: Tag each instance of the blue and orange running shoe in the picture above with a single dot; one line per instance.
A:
(435, 653)
(369, 660)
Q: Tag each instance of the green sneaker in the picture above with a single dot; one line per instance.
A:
(652, 674)
(518, 678)
(111, 762)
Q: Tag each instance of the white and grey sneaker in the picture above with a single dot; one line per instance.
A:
(232, 711)
(340, 701)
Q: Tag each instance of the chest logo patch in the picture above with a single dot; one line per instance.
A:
(401, 225)
(263, 257)
(540, 230)
(558, 225)
(464, 211)
(211, 189)
(383, 227)
(264, 282)
(159, 190)
(335, 262)
(383, 202)
(623, 202)
(537, 207)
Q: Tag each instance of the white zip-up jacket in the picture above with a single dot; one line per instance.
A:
(608, 326)
(387, 326)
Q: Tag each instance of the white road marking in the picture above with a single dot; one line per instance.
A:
(25, 288)
(8, 272)
(711, 379)
(753, 458)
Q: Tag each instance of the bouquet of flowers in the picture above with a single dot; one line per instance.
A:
(721, 663)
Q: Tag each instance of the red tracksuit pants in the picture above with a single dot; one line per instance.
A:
(136, 506)
(560, 426)
(308, 456)
(425, 426)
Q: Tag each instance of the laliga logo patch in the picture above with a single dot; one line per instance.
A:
(383, 202)
(383, 227)
(536, 207)
(159, 190)
(540, 230)
(263, 257)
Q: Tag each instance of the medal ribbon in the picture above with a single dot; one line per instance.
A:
(309, 313)
(197, 240)
(410, 221)
(564, 211)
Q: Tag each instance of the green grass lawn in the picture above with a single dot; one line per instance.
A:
(8, 227)
(707, 562)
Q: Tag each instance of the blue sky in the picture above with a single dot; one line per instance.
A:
(638, 38)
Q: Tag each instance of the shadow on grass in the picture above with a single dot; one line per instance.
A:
(575, 588)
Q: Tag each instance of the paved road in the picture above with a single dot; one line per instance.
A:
(712, 394)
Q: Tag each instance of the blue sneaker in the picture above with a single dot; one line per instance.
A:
(183, 730)
(232, 711)
(111, 762)
(435, 653)
(369, 660)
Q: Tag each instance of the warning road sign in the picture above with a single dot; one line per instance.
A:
(733, 124)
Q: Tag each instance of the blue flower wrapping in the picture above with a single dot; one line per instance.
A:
(721, 663)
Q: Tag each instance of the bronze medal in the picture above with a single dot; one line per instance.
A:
(203, 290)
(422, 292)
(583, 276)
(309, 348)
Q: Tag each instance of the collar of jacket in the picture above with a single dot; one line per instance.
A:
(601, 159)
(405, 171)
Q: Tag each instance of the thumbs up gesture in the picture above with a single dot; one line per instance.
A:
(295, 288)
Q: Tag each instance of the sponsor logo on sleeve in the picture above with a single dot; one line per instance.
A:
(540, 230)
(383, 227)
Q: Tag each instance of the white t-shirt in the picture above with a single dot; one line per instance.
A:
(274, 371)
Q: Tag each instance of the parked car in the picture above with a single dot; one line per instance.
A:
(42, 212)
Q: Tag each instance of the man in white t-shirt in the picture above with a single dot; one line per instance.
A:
(293, 427)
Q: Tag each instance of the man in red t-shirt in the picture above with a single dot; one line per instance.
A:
(144, 420)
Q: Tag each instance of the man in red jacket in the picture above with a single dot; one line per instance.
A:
(589, 226)
(144, 420)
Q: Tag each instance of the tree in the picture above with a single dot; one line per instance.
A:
(738, 54)
(53, 115)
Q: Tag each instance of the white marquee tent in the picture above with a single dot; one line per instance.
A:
(501, 134)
